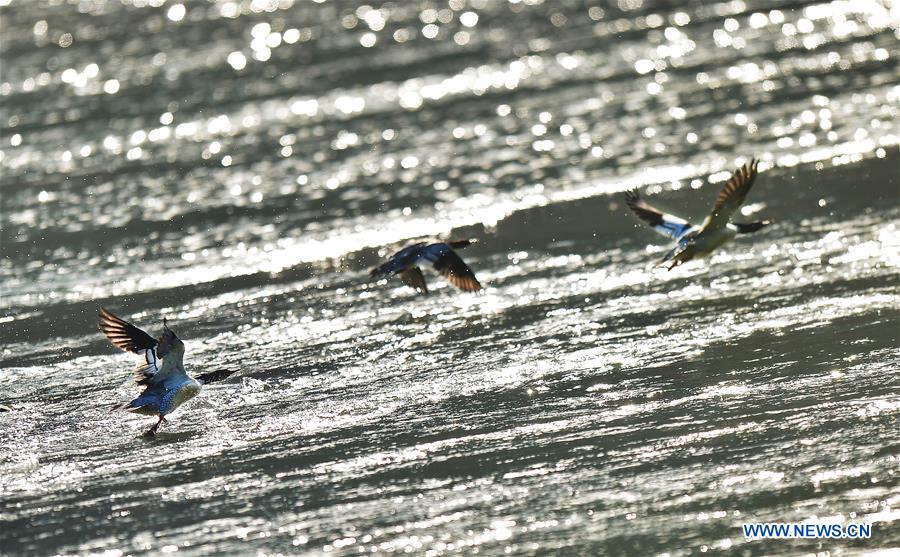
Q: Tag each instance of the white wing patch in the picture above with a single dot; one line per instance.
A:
(145, 371)
(664, 223)
(672, 226)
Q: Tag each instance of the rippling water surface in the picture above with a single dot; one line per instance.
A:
(237, 166)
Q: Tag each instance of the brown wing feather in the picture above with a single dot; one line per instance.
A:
(123, 334)
(646, 212)
(457, 272)
(413, 277)
(732, 195)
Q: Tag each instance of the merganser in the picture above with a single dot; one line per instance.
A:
(168, 386)
(699, 241)
(405, 263)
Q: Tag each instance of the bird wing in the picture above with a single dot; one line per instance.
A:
(453, 268)
(399, 261)
(413, 277)
(125, 336)
(732, 196)
(664, 223)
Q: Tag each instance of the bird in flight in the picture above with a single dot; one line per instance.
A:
(166, 385)
(446, 261)
(699, 241)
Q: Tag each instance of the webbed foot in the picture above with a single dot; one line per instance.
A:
(152, 431)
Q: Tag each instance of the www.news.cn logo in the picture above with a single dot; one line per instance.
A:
(789, 530)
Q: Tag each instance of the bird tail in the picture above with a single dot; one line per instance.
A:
(213, 376)
(459, 244)
(145, 404)
(747, 227)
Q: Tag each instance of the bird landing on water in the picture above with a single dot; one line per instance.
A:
(166, 384)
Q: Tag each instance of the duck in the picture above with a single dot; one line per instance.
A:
(166, 384)
(692, 241)
(446, 261)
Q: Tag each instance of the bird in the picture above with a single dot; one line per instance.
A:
(166, 384)
(699, 241)
(446, 261)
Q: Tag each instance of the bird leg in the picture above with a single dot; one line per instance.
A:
(152, 431)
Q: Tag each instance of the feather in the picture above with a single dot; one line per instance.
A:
(457, 273)
(213, 376)
(413, 277)
(123, 334)
(664, 223)
(732, 196)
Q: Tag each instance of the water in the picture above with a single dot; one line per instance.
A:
(237, 167)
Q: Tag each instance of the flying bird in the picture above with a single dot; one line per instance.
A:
(699, 241)
(166, 385)
(446, 261)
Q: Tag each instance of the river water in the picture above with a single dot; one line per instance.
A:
(237, 167)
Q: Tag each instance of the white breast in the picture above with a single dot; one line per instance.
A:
(187, 391)
(707, 241)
